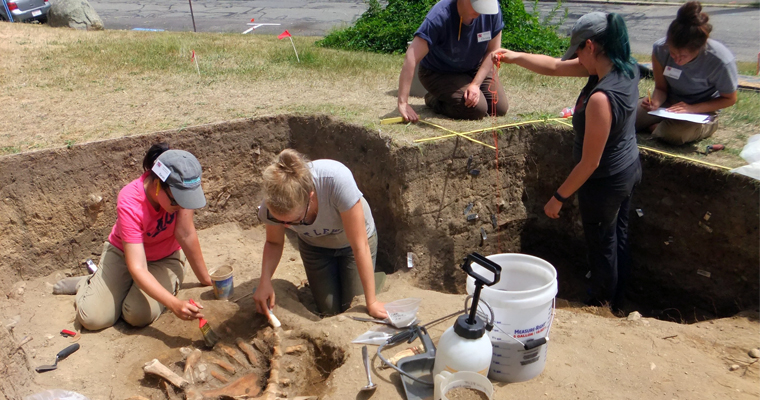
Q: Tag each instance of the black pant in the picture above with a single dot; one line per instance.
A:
(604, 205)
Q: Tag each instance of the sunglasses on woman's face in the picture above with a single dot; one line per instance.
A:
(172, 202)
(301, 222)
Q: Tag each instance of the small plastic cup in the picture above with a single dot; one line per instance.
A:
(403, 313)
(221, 278)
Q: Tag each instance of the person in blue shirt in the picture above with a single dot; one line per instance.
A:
(452, 47)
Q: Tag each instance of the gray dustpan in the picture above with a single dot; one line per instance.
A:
(419, 366)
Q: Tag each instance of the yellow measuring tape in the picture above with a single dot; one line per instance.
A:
(683, 157)
(453, 133)
(463, 134)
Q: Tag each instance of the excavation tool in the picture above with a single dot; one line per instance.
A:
(209, 336)
(370, 386)
(393, 120)
(713, 148)
(60, 356)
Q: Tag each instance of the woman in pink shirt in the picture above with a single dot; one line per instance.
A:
(142, 265)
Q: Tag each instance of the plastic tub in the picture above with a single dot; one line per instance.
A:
(446, 381)
(403, 313)
(221, 278)
(522, 304)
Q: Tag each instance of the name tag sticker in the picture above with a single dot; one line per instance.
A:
(161, 170)
(671, 72)
(484, 36)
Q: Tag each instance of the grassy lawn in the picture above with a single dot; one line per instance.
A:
(61, 87)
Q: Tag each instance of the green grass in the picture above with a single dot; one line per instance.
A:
(95, 85)
(746, 68)
(219, 56)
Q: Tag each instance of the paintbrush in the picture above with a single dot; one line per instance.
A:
(273, 320)
(209, 336)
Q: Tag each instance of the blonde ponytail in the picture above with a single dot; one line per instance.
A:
(288, 182)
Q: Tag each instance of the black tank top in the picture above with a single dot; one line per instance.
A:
(620, 151)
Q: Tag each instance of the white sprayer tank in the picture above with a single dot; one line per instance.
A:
(522, 302)
(456, 353)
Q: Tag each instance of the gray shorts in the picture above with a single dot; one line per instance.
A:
(111, 293)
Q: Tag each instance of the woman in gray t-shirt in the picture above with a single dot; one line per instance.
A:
(692, 74)
(337, 239)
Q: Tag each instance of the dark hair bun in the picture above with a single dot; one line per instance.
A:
(691, 14)
(691, 29)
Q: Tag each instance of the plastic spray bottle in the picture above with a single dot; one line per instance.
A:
(465, 346)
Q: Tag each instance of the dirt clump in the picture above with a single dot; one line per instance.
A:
(463, 393)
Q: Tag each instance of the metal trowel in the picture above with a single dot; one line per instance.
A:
(60, 356)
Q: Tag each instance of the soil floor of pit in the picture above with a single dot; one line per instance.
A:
(591, 355)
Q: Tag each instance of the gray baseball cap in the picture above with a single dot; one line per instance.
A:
(485, 7)
(184, 177)
(585, 28)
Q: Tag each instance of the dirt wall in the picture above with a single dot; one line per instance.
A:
(51, 219)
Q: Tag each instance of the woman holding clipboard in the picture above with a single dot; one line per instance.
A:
(692, 74)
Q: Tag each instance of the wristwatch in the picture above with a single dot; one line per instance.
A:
(559, 197)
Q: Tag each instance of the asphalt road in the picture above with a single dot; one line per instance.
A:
(738, 28)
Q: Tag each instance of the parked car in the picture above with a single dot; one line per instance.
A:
(25, 10)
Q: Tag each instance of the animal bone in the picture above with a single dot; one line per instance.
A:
(219, 377)
(186, 351)
(244, 386)
(156, 368)
(299, 348)
(190, 362)
(234, 354)
(260, 346)
(225, 365)
(267, 333)
(170, 393)
(271, 392)
(193, 394)
(248, 350)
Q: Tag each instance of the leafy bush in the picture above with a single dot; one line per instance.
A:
(387, 30)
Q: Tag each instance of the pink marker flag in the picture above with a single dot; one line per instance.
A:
(287, 34)
(197, 68)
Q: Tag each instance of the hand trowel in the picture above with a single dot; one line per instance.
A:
(60, 356)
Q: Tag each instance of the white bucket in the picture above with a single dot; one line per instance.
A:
(522, 304)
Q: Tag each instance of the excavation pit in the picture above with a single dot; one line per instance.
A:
(58, 206)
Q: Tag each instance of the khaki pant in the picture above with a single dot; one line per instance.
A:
(446, 94)
(674, 131)
(111, 293)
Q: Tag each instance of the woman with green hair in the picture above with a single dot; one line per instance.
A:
(607, 159)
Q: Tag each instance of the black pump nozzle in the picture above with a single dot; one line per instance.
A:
(479, 280)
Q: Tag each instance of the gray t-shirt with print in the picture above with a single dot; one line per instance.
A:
(704, 78)
(336, 192)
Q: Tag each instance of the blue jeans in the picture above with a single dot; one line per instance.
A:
(333, 276)
(604, 206)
